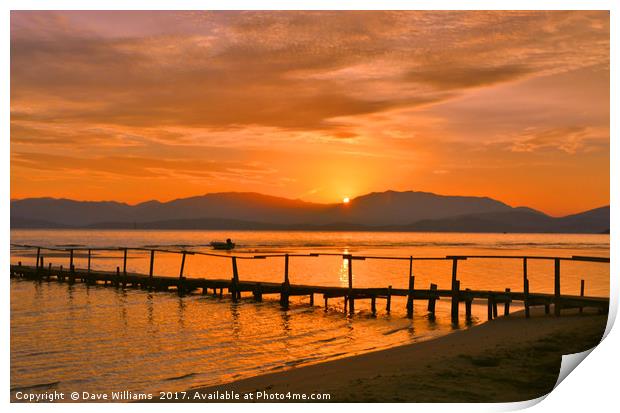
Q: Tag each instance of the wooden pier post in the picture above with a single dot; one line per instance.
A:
(71, 267)
(235, 281)
(556, 301)
(151, 264)
(71, 277)
(494, 307)
(38, 255)
(388, 300)
(582, 290)
(373, 305)
(41, 267)
(124, 261)
(233, 290)
(468, 301)
(410, 291)
(526, 289)
(351, 299)
(118, 276)
(182, 265)
(432, 299)
(455, 301)
(325, 301)
(181, 289)
(455, 291)
(312, 299)
(284, 295)
(350, 271)
(507, 302)
(284, 290)
(286, 280)
(490, 308)
(258, 292)
(88, 261)
(60, 274)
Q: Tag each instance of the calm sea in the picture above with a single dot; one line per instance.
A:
(80, 338)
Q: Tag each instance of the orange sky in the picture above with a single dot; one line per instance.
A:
(133, 106)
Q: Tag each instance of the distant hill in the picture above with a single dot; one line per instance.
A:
(594, 221)
(397, 208)
(230, 205)
(385, 211)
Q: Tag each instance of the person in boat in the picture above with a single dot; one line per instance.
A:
(228, 245)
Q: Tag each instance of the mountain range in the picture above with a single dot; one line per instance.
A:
(377, 211)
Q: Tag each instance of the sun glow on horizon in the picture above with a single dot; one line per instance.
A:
(345, 200)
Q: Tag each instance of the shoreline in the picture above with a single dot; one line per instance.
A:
(503, 360)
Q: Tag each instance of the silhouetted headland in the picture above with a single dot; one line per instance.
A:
(385, 211)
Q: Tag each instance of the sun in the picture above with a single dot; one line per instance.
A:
(345, 200)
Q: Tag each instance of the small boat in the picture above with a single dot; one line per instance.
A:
(218, 245)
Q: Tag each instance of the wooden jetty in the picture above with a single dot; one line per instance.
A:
(235, 287)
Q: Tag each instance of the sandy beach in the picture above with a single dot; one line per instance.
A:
(507, 359)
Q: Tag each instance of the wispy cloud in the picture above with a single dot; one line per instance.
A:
(350, 95)
(237, 70)
(567, 139)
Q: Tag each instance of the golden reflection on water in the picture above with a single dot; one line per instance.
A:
(97, 338)
(343, 272)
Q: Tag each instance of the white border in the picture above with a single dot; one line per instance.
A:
(593, 384)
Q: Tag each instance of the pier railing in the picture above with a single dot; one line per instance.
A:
(235, 286)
